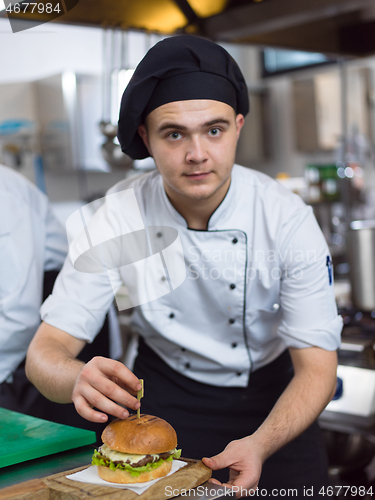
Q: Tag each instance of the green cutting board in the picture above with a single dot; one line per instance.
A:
(23, 437)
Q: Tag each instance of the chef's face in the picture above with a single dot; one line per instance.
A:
(193, 144)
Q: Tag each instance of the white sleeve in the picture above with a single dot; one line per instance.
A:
(84, 289)
(309, 313)
(79, 302)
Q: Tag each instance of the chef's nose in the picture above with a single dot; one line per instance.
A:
(196, 152)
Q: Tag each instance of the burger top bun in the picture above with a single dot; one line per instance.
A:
(142, 436)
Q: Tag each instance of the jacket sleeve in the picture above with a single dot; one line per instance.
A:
(309, 313)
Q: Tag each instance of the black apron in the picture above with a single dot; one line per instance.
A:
(206, 418)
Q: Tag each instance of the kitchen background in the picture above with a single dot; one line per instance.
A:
(311, 128)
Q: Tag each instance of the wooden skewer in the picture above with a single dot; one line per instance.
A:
(139, 396)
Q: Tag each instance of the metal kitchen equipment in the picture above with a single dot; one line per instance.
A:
(358, 396)
(361, 254)
(68, 108)
(348, 421)
(356, 368)
(113, 50)
(349, 454)
(17, 137)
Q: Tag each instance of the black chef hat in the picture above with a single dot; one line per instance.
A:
(177, 69)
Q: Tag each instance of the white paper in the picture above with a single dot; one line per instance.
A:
(90, 475)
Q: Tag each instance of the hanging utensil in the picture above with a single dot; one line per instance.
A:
(111, 149)
(106, 126)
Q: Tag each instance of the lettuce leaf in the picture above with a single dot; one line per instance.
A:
(99, 459)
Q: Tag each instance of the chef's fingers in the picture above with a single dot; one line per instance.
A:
(88, 398)
(243, 483)
(239, 480)
(107, 394)
(116, 369)
(240, 492)
(219, 461)
(100, 373)
(95, 384)
(86, 411)
(214, 481)
(124, 386)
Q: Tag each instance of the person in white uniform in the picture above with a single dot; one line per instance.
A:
(238, 345)
(33, 247)
(32, 243)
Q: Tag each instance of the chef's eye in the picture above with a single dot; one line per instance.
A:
(174, 135)
(214, 131)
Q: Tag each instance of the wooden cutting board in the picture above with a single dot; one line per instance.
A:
(58, 487)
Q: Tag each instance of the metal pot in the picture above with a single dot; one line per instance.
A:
(348, 453)
(114, 156)
(361, 254)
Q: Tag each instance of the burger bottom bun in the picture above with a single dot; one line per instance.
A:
(124, 476)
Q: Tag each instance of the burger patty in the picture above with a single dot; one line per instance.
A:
(145, 460)
(151, 458)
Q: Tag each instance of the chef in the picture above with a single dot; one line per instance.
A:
(238, 344)
(33, 247)
(32, 244)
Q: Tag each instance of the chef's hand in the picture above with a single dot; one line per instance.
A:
(245, 460)
(105, 384)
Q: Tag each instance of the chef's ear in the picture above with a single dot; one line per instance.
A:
(142, 131)
(240, 120)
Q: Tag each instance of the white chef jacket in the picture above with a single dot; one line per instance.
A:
(259, 279)
(31, 241)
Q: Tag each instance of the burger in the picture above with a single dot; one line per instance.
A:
(136, 450)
